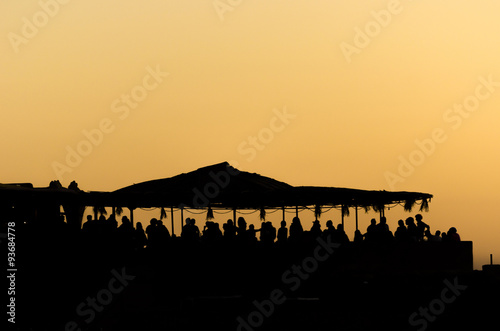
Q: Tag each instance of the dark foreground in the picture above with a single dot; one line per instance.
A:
(72, 283)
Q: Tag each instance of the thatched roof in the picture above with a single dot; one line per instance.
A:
(221, 185)
(218, 185)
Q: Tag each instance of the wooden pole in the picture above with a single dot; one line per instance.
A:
(491, 258)
(297, 211)
(356, 218)
(234, 215)
(172, 219)
(182, 218)
(132, 216)
(342, 212)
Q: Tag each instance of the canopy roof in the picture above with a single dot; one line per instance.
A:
(217, 186)
(221, 185)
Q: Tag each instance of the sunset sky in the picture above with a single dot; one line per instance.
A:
(394, 95)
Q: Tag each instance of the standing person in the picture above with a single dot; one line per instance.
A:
(371, 231)
(401, 234)
(152, 233)
(195, 231)
(358, 237)
(163, 233)
(330, 230)
(341, 236)
(267, 233)
(186, 228)
(412, 229)
(241, 230)
(421, 227)
(316, 229)
(229, 230)
(282, 233)
(139, 236)
(296, 229)
(251, 233)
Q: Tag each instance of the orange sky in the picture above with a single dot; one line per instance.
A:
(395, 95)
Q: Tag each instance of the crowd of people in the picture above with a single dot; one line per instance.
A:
(407, 231)
(156, 234)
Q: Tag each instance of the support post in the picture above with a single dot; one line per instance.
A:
(182, 218)
(356, 217)
(283, 213)
(297, 211)
(342, 213)
(234, 215)
(172, 219)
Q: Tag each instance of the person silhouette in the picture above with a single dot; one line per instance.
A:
(383, 232)
(186, 228)
(412, 229)
(316, 229)
(371, 231)
(444, 237)
(163, 233)
(296, 230)
(229, 230)
(152, 233)
(282, 233)
(330, 230)
(401, 234)
(437, 236)
(125, 234)
(267, 233)
(358, 237)
(340, 235)
(242, 229)
(421, 227)
(453, 234)
(194, 230)
(211, 232)
(252, 236)
(89, 228)
(139, 236)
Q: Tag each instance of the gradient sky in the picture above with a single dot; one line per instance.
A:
(364, 83)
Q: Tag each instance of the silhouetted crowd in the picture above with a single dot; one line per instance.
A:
(156, 235)
(407, 231)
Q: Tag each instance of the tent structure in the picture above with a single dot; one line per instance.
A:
(218, 186)
(225, 187)
(221, 185)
